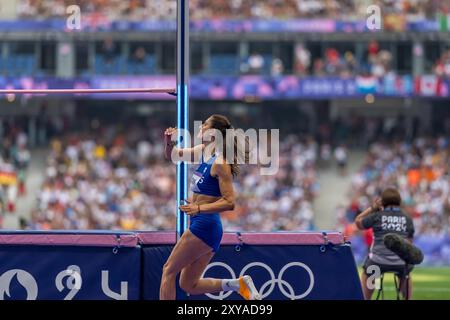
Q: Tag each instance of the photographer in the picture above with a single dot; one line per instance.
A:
(386, 217)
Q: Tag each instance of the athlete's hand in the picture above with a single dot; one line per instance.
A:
(191, 209)
(168, 133)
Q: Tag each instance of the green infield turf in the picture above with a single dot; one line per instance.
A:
(429, 283)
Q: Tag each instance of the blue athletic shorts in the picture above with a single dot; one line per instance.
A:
(207, 227)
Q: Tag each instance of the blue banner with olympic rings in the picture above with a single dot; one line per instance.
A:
(280, 272)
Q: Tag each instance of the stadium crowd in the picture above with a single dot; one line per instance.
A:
(421, 172)
(106, 179)
(117, 179)
(376, 62)
(14, 160)
(139, 10)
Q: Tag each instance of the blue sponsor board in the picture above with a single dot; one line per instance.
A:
(93, 23)
(30, 272)
(243, 87)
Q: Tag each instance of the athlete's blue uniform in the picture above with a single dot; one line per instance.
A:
(206, 226)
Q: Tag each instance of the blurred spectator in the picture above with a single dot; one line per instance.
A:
(302, 60)
(325, 154)
(442, 65)
(351, 66)
(340, 154)
(255, 63)
(8, 185)
(333, 63)
(277, 68)
(108, 50)
(319, 67)
(372, 51)
(139, 55)
(382, 64)
(22, 161)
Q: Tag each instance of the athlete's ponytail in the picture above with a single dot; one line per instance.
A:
(234, 142)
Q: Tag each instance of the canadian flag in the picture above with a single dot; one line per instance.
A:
(429, 85)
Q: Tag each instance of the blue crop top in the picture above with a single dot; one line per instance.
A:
(203, 182)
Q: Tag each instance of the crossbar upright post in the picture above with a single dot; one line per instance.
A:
(183, 68)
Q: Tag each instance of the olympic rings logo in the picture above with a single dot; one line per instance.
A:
(267, 288)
